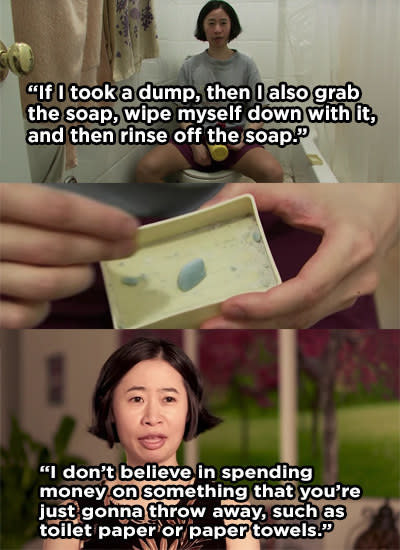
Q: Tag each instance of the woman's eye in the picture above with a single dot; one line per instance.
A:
(136, 399)
(170, 399)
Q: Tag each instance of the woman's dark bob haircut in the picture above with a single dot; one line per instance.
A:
(126, 357)
(236, 29)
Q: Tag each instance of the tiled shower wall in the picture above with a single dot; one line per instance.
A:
(263, 38)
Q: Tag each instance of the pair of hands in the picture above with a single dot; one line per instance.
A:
(49, 239)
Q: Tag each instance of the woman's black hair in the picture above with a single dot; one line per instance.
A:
(236, 29)
(126, 357)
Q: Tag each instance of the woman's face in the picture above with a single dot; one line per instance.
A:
(217, 27)
(150, 408)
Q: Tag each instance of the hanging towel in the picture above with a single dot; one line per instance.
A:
(130, 35)
(68, 42)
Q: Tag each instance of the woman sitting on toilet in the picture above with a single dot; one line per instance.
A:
(217, 24)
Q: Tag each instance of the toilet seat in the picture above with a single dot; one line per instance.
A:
(192, 175)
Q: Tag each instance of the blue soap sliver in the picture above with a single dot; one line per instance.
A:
(256, 236)
(191, 274)
(131, 281)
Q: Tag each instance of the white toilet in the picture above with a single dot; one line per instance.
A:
(195, 176)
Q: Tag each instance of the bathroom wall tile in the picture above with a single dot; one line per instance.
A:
(259, 21)
(175, 52)
(168, 65)
(286, 62)
(268, 82)
(263, 54)
(153, 70)
(95, 160)
(124, 169)
(176, 21)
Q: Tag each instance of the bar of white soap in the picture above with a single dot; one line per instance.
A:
(191, 274)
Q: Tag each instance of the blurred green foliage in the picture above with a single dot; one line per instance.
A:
(20, 479)
(369, 445)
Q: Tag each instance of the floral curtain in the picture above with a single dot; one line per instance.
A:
(130, 35)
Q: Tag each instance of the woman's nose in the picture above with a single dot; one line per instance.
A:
(152, 413)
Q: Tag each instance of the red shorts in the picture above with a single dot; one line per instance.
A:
(231, 159)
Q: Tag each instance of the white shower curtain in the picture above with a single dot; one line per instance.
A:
(336, 41)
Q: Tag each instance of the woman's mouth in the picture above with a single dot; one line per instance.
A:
(152, 442)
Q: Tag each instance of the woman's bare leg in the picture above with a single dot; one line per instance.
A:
(158, 163)
(259, 165)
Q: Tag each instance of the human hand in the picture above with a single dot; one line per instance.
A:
(358, 224)
(237, 146)
(201, 155)
(49, 238)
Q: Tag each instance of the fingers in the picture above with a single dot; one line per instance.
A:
(28, 290)
(300, 318)
(357, 224)
(235, 147)
(337, 256)
(203, 160)
(49, 239)
(201, 155)
(19, 314)
(340, 271)
(43, 284)
(41, 206)
(37, 246)
(254, 311)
